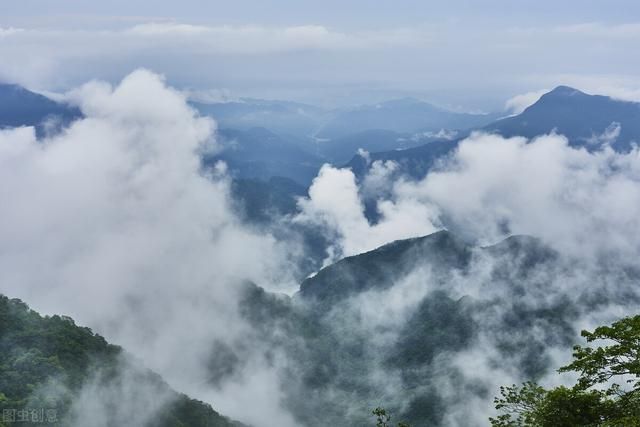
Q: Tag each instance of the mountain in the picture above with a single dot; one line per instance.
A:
(66, 372)
(407, 115)
(21, 107)
(584, 119)
(262, 200)
(415, 162)
(282, 117)
(258, 153)
(338, 151)
(280, 138)
(377, 269)
(423, 326)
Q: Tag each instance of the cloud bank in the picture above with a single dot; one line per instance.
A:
(318, 62)
(578, 201)
(495, 315)
(519, 103)
(335, 203)
(114, 223)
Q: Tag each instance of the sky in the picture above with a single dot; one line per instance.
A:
(463, 55)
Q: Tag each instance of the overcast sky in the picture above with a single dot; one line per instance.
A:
(466, 55)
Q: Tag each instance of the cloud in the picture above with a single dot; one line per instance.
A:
(448, 134)
(520, 305)
(600, 30)
(519, 103)
(608, 136)
(262, 39)
(578, 201)
(334, 202)
(126, 395)
(41, 55)
(573, 199)
(168, 28)
(6, 32)
(380, 174)
(113, 222)
(318, 62)
(250, 39)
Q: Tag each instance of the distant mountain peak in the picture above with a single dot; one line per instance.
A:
(579, 116)
(565, 91)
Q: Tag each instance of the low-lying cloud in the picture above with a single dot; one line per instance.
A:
(578, 201)
(113, 222)
(519, 103)
(335, 203)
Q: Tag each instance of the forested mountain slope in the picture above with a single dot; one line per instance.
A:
(71, 376)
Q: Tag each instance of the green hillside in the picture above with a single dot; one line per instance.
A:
(50, 367)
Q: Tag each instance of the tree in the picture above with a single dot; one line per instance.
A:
(607, 392)
(383, 418)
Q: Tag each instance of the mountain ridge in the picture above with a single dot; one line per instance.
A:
(590, 121)
(53, 349)
(22, 107)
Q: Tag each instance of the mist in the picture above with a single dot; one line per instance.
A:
(510, 310)
(114, 223)
(578, 201)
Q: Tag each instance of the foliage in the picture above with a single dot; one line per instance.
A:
(596, 399)
(45, 361)
(599, 365)
(383, 418)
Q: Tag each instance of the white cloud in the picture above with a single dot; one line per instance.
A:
(334, 202)
(376, 182)
(113, 223)
(579, 202)
(168, 28)
(390, 60)
(601, 30)
(519, 103)
(608, 136)
(5, 32)
(47, 59)
(250, 39)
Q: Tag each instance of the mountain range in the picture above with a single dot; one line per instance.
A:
(441, 303)
(589, 121)
(405, 115)
(262, 139)
(408, 115)
(584, 119)
(399, 325)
